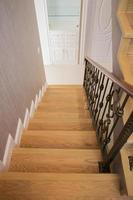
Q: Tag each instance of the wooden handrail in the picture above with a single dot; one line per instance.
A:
(122, 84)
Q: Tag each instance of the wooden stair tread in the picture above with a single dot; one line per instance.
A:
(68, 95)
(51, 186)
(125, 20)
(61, 109)
(130, 18)
(61, 121)
(59, 154)
(66, 86)
(63, 105)
(59, 125)
(50, 115)
(66, 90)
(66, 99)
(55, 160)
(60, 139)
(126, 62)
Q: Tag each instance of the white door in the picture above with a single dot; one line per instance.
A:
(64, 23)
(64, 47)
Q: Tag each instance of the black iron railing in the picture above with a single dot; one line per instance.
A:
(107, 97)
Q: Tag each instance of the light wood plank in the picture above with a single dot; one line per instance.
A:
(61, 109)
(58, 125)
(62, 121)
(62, 105)
(55, 160)
(44, 186)
(125, 24)
(76, 115)
(60, 139)
(66, 86)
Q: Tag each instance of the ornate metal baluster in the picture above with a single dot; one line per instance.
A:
(89, 74)
(99, 96)
(101, 103)
(95, 91)
(109, 116)
(119, 143)
(102, 127)
(92, 85)
(118, 112)
(92, 93)
(101, 86)
(85, 74)
(91, 82)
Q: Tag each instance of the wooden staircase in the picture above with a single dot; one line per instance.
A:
(59, 154)
(125, 54)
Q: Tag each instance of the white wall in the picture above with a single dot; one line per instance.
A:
(64, 74)
(99, 32)
(42, 20)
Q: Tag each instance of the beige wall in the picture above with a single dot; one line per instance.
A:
(116, 36)
(21, 66)
(99, 32)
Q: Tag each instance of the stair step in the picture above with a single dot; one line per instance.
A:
(66, 86)
(62, 121)
(65, 95)
(65, 99)
(48, 115)
(66, 90)
(61, 105)
(65, 109)
(51, 186)
(60, 125)
(60, 139)
(55, 160)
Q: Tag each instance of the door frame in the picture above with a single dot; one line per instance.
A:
(82, 37)
(43, 28)
(42, 13)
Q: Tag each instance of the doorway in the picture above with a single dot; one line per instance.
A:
(64, 27)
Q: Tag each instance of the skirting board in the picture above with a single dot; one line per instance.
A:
(21, 126)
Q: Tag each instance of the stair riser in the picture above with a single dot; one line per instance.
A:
(47, 115)
(66, 141)
(61, 105)
(54, 97)
(63, 126)
(59, 121)
(60, 109)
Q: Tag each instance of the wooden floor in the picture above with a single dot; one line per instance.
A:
(59, 154)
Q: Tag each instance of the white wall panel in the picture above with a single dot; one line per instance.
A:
(99, 32)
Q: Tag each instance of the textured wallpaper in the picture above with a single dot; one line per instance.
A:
(21, 66)
(99, 32)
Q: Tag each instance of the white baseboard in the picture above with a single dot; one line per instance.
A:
(1, 166)
(36, 101)
(32, 109)
(11, 143)
(40, 96)
(44, 87)
(8, 152)
(19, 131)
(26, 118)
